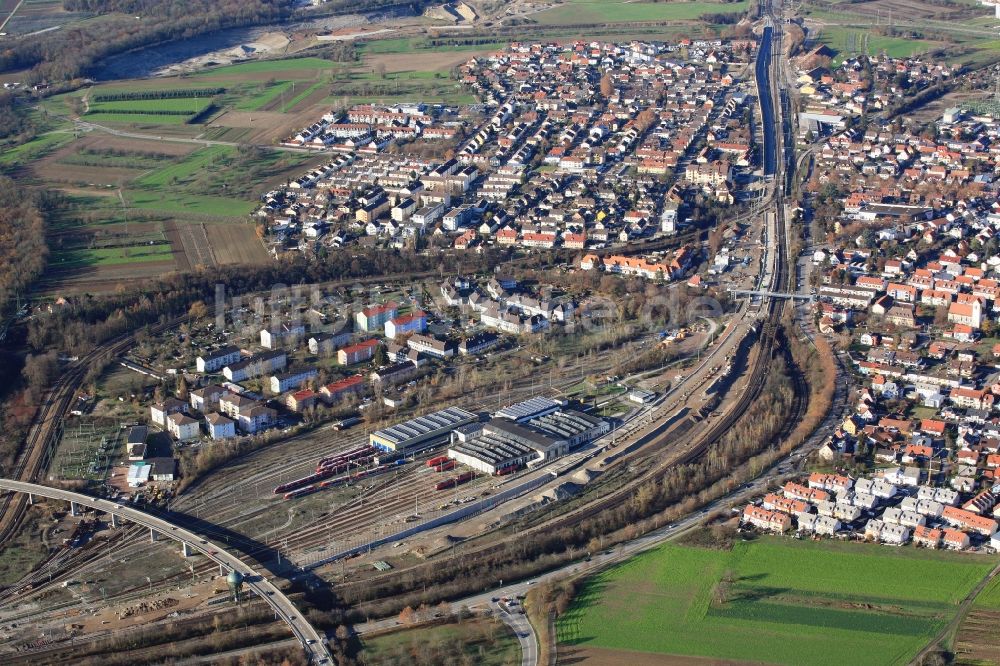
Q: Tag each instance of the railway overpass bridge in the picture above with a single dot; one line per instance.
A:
(773, 294)
(311, 640)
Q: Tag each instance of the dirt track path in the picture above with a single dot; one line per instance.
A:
(963, 609)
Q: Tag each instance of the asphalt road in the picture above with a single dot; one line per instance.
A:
(311, 640)
(518, 622)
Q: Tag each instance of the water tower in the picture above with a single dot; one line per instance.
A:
(235, 582)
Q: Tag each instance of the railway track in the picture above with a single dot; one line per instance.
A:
(42, 437)
(231, 515)
(766, 349)
(44, 434)
(762, 359)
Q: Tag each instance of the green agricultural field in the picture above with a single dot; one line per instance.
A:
(305, 67)
(291, 104)
(137, 118)
(111, 256)
(225, 171)
(847, 41)
(170, 202)
(788, 602)
(261, 99)
(182, 170)
(990, 596)
(38, 147)
(603, 11)
(365, 86)
(189, 105)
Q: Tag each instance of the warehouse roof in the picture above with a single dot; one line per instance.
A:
(423, 425)
(564, 424)
(529, 408)
(505, 428)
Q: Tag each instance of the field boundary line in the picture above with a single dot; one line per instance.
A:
(11, 15)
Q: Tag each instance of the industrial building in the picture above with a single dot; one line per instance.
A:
(529, 409)
(135, 442)
(504, 443)
(138, 474)
(410, 435)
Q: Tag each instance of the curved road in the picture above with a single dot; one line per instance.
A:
(519, 624)
(311, 640)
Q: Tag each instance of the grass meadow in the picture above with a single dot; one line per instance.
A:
(605, 11)
(481, 642)
(847, 41)
(111, 256)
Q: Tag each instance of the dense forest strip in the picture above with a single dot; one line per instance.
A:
(22, 240)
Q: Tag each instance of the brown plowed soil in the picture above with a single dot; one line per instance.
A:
(976, 642)
(236, 244)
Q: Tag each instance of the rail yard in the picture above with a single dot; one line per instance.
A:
(338, 445)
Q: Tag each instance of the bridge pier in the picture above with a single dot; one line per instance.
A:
(153, 535)
(114, 520)
(31, 499)
(185, 549)
(72, 508)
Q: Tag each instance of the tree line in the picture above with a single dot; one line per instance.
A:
(134, 95)
(86, 321)
(72, 52)
(23, 251)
